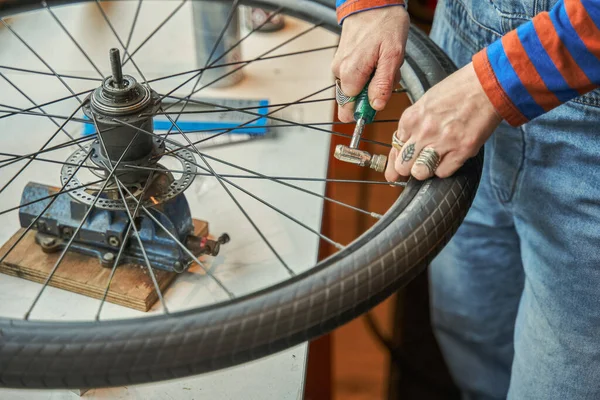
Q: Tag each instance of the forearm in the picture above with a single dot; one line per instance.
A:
(346, 8)
(544, 63)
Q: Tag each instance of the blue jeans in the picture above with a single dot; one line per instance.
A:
(515, 296)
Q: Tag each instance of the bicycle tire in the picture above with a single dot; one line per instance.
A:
(36, 354)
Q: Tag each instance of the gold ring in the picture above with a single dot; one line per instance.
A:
(397, 143)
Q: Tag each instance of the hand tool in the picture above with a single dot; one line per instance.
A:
(363, 114)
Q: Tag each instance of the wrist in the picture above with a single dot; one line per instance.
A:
(359, 7)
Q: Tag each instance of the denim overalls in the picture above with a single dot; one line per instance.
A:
(516, 293)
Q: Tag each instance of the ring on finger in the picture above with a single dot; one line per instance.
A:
(340, 97)
(429, 158)
(397, 143)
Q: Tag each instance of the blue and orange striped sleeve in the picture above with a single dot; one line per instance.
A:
(346, 8)
(548, 61)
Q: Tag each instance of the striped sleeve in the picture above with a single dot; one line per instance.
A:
(346, 8)
(550, 60)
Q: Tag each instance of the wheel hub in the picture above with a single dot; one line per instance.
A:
(117, 108)
(122, 111)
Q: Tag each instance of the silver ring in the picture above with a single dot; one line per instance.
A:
(430, 158)
(397, 143)
(340, 97)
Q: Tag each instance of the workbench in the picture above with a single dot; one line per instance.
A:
(246, 263)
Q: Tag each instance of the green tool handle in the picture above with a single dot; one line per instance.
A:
(363, 108)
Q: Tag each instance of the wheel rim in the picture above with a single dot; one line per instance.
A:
(416, 89)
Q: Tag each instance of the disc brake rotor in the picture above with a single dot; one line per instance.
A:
(83, 193)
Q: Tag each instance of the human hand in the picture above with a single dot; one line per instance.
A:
(372, 40)
(454, 118)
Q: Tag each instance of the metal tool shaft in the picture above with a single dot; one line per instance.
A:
(358, 130)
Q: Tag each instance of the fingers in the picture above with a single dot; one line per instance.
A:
(408, 154)
(346, 112)
(382, 84)
(450, 163)
(354, 75)
(391, 175)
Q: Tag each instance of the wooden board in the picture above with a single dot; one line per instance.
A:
(131, 286)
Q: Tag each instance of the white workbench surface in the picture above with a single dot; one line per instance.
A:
(246, 263)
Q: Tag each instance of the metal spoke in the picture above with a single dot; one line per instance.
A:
(244, 108)
(255, 29)
(183, 247)
(237, 69)
(257, 59)
(283, 213)
(198, 70)
(113, 270)
(125, 51)
(360, 210)
(129, 215)
(139, 239)
(222, 179)
(294, 124)
(17, 158)
(237, 203)
(49, 103)
(31, 71)
(288, 216)
(42, 148)
(83, 52)
(133, 24)
(51, 196)
(245, 123)
(280, 178)
(269, 116)
(18, 89)
(37, 114)
(36, 219)
(230, 17)
(47, 160)
(85, 217)
(201, 71)
(125, 54)
(40, 58)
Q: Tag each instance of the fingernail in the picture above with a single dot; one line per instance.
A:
(378, 104)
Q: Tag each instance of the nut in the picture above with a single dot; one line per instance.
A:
(114, 241)
(378, 162)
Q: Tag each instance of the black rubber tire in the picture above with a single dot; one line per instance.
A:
(57, 355)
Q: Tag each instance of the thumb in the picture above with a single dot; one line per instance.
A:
(382, 84)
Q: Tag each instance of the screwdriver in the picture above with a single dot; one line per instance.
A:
(363, 114)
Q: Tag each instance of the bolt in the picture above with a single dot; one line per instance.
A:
(116, 67)
(108, 257)
(114, 241)
(224, 238)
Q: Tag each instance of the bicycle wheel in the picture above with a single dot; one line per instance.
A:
(307, 303)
